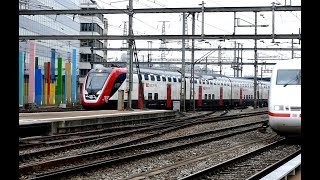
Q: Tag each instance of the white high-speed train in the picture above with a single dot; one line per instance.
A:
(284, 104)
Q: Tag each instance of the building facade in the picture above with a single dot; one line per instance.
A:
(90, 25)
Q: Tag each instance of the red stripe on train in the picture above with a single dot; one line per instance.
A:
(278, 114)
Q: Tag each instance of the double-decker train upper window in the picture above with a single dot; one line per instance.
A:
(152, 77)
(288, 77)
(158, 77)
(174, 79)
(146, 77)
(96, 80)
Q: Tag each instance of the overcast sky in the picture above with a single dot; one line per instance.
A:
(215, 23)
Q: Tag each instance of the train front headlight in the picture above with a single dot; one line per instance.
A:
(85, 93)
(278, 107)
(98, 92)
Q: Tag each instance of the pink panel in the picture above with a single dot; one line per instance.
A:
(31, 72)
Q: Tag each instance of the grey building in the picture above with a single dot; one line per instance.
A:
(90, 25)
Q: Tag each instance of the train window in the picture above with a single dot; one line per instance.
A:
(211, 82)
(196, 81)
(207, 81)
(203, 82)
(155, 96)
(214, 83)
(118, 83)
(149, 96)
(212, 96)
(174, 79)
(146, 77)
(169, 79)
(209, 96)
(205, 96)
(164, 78)
(152, 77)
(158, 77)
(288, 77)
(179, 79)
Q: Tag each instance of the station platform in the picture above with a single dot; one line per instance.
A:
(45, 123)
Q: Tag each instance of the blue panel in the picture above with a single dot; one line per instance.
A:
(38, 86)
(53, 65)
(74, 77)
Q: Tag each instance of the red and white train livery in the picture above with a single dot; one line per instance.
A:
(161, 88)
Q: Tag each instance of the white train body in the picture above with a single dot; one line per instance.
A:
(285, 98)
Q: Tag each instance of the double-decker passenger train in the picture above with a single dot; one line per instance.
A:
(161, 88)
(285, 98)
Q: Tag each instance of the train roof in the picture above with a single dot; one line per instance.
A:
(163, 72)
(176, 73)
(287, 64)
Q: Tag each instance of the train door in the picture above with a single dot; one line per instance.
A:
(200, 97)
(169, 100)
(240, 103)
(221, 97)
(140, 96)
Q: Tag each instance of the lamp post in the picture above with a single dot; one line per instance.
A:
(182, 92)
(192, 76)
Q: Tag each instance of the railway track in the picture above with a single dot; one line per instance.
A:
(152, 130)
(87, 139)
(92, 160)
(252, 165)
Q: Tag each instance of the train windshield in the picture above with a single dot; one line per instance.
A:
(288, 77)
(96, 80)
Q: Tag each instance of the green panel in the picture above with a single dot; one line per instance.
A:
(59, 82)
